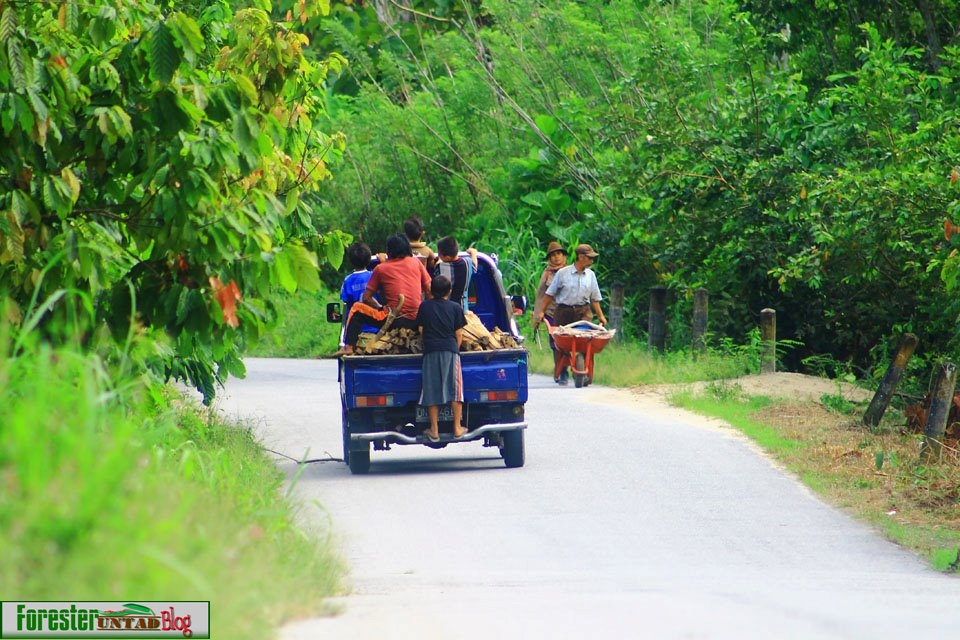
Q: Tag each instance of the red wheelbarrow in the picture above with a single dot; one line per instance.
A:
(577, 343)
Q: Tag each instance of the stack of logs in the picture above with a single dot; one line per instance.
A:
(476, 337)
(389, 341)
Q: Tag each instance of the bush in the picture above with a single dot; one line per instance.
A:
(123, 490)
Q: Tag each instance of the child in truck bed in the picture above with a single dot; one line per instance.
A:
(459, 271)
(355, 284)
(403, 280)
(441, 324)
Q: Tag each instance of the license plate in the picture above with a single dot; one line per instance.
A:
(446, 414)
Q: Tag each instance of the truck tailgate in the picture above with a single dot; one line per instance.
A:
(483, 371)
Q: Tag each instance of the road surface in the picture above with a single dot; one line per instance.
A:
(630, 519)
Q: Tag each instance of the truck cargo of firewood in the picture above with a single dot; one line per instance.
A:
(380, 383)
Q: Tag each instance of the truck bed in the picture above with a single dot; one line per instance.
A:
(380, 394)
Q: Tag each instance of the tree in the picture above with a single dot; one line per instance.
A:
(152, 164)
(780, 155)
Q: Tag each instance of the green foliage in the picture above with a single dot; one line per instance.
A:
(151, 168)
(724, 391)
(739, 411)
(301, 330)
(697, 144)
(167, 165)
(946, 559)
(627, 364)
(821, 36)
(836, 402)
(111, 485)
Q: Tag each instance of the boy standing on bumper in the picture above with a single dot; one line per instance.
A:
(441, 324)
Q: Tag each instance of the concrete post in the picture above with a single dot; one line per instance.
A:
(700, 305)
(768, 335)
(657, 324)
(881, 399)
(615, 312)
(939, 412)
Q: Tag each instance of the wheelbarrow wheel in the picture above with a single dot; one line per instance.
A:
(580, 379)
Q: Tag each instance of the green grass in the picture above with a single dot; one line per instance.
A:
(302, 330)
(127, 493)
(737, 411)
(626, 364)
(946, 559)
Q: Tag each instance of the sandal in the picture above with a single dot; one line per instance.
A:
(463, 434)
(429, 437)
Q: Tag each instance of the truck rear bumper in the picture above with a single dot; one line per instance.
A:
(476, 434)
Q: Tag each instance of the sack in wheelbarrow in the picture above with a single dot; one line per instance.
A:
(577, 332)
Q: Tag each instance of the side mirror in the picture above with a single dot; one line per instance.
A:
(333, 312)
(519, 305)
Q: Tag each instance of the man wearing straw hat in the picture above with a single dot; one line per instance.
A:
(575, 290)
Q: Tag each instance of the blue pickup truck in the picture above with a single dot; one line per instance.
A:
(379, 393)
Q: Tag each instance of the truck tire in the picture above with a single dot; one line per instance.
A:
(346, 437)
(360, 461)
(580, 364)
(512, 450)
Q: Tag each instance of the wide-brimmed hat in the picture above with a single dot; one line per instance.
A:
(586, 250)
(553, 247)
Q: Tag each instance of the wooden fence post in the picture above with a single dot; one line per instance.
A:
(657, 326)
(700, 304)
(939, 412)
(615, 312)
(768, 337)
(881, 399)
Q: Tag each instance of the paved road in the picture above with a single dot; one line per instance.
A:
(628, 520)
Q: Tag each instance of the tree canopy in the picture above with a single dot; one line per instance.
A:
(797, 156)
(163, 168)
(152, 161)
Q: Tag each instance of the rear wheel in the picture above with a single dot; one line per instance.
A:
(346, 438)
(580, 379)
(359, 461)
(512, 451)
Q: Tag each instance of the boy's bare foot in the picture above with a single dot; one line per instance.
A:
(459, 432)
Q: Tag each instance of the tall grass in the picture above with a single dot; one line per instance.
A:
(120, 491)
(302, 330)
(627, 363)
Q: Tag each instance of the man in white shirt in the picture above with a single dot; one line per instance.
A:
(576, 290)
(577, 294)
